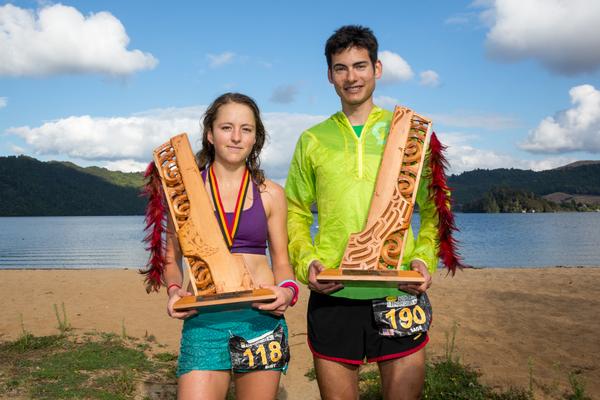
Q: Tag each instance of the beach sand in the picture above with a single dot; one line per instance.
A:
(508, 321)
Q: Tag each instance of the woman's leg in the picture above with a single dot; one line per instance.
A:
(212, 385)
(256, 385)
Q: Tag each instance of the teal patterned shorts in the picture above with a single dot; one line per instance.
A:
(205, 337)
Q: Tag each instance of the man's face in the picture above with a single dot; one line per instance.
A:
(353, 76)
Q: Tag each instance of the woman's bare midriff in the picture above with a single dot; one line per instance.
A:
(259, 268)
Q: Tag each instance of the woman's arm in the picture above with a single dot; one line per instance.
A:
(172, 273)
(275, 204)
(276, 209)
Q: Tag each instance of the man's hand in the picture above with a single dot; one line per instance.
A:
(416, 288)
(314, 269)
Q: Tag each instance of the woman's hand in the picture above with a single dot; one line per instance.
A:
(280, 304)
(175, 294)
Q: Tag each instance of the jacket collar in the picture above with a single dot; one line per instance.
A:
(341, 118)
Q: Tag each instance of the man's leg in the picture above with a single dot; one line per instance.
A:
(335, 337)
(337, 381)
(403, 378)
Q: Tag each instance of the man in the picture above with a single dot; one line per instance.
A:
(335, 165)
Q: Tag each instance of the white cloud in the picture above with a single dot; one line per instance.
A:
(284, 94)
(474, 120)
(459, 19)
(576, 129)
(563, 35)
(127, 142)
(284, 130)
(125, 165)
(458, 119)
(395, 68)
(3, 102)
(218, 60)
(463, 156)
(265, 64)
(18, 150)
(386, 102)
(429, 78)
(58, 39)
(110, 138)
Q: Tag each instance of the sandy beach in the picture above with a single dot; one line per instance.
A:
(508, 321)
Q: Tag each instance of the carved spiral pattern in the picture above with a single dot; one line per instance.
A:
(180, 204)
(390, 252)
(413, 151)
(380, 246)
(202, 277)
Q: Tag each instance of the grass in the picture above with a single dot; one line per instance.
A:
(92, 366)
(109, 366)
(577, 387)
(63, 323)
(449, 379)
(444, 380)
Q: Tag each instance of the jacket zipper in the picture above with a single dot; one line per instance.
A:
(360, 155)
(359, 145)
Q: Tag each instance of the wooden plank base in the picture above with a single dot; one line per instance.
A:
(232, 298)
(378, 278)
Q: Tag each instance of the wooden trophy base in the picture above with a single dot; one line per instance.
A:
(390, 277)
(232, 298)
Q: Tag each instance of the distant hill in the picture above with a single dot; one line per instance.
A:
(128, 179)
(579, 181)
(579, 164)
(30, 187)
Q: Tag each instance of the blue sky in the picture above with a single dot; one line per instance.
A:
(507, 83)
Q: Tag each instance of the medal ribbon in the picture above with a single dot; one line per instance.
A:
(228, 231)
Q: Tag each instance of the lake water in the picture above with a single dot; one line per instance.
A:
(486, 240)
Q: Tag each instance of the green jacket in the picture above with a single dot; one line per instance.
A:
(334, 168)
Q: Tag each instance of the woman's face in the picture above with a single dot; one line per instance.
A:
(233, 133)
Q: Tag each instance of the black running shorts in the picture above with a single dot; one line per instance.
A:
(344, 330)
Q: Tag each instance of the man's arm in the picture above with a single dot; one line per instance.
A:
(424, 258)
(300, 191)
(427, 244)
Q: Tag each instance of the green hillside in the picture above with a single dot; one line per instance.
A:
(30, 187)
(475, 189)
(128, 179)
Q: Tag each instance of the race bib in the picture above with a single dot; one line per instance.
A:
(267, 351)
(404, 315)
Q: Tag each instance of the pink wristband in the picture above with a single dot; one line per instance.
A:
(171, 285)
(293, 286)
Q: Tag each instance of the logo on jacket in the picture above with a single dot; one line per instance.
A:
(379, 131)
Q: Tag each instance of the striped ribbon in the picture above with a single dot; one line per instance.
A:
(228, 231)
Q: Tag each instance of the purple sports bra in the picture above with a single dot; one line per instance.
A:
(251, 237)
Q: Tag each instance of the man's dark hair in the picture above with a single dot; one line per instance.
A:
(349, 36)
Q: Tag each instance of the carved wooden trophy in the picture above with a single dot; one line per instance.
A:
(213, 274)
(375, 254)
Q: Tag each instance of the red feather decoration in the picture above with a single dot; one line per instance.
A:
(441, 193)
(155, 227)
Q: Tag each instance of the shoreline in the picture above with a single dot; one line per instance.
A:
(505, 319)
(313, 212)
(439, 270)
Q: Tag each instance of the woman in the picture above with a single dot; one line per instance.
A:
(233, 136)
